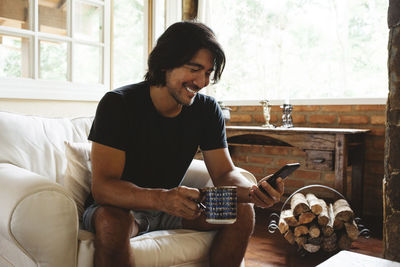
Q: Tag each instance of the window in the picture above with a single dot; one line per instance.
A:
(129, 43)
(54, 49)
(61, 49)
(308, 49)
(131, 31)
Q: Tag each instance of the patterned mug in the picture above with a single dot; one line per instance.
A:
(221, 204)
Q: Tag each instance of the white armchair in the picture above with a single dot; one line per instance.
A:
(39, 218)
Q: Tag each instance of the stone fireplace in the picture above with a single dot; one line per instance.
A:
(391, 183)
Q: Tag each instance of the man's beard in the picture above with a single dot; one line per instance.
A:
(179, 100)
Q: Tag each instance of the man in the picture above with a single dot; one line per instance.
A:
(144, 138)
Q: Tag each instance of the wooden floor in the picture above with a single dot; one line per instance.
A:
(266, 249)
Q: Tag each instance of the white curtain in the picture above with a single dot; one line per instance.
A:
(173, 12)
(203, 14)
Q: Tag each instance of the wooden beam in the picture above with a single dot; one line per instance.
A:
(189, 9)
(51, 17)
(12, 23)
(15, 10)
(14, 13)
(61, 4)
(150, 27)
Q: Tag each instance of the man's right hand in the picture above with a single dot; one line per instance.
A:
(181, 201)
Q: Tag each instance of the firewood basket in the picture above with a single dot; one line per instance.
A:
(274, 217)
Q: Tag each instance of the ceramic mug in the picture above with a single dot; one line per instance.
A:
(221, 204)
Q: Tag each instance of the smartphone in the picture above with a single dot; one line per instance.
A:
(283, 172)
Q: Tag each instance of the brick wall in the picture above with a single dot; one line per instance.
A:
(263, 160)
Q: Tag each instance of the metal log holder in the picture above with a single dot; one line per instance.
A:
(274, 217)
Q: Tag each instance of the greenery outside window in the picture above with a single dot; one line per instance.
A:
(305, 52)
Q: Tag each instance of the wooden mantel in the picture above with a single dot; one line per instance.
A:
(326, 149)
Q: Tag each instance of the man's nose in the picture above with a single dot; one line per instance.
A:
(201, 81)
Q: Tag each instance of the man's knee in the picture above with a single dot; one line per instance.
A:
(113, 226)
(245, 217)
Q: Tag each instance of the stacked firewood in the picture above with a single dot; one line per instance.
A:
(314, 225)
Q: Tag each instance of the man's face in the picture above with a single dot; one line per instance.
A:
(184, 82)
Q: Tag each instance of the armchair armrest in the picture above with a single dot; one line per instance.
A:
(38, 220)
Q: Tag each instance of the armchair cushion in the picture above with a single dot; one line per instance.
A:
(78, 175)
(196, 247)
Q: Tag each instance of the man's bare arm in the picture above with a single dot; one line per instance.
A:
(222, 172)
(108, 188)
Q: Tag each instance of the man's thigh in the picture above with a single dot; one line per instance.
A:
(151, 220)
(140, 222)
(245, 216)
(200, 224)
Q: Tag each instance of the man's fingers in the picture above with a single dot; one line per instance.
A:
(265, 178)
(272, 196)
(185, 209)
(190, 213)
(190, 208)
(190, 205)
(272, 192)
(280, 186)
(188, 192)
(264, 197)
(260, 199)
(190, 196)
(183, 202)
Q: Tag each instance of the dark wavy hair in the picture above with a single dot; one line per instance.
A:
(177, 45)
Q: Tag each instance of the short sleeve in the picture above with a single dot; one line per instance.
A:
(214, 135)
(110, 125)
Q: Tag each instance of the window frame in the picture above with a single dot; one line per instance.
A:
(310, 102)
(172, 13)
(35, 88)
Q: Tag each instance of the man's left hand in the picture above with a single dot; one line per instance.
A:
(273, 194)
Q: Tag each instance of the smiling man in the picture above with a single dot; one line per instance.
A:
(145, 136)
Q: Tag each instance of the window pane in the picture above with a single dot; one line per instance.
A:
(129, 51)
(159, 23)
(14, 56)
(14, 13)
(53, 60)
(302, 49)
(88, 64)
(53, 17)
(88, 22)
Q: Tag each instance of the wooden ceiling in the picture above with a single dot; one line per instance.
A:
(53, 3)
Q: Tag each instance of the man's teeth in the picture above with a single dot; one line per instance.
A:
(190, 90)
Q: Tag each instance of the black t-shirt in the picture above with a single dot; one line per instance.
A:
(158, 150)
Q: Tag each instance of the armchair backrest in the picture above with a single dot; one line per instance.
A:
(37, 143)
